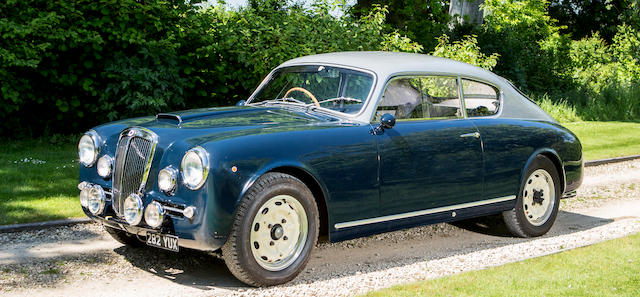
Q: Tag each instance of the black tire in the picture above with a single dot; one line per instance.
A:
(124, 237)
(516, 219)
(238, 250)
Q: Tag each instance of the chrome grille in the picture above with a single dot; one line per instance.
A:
(134, 154)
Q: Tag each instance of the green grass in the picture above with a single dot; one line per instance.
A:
(610, 268)
(38, 181)
(607, 139)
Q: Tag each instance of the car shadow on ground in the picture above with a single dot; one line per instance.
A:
(566, 223)
(188, 267)
(205, 271)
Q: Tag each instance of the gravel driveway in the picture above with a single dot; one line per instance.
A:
(84, 260)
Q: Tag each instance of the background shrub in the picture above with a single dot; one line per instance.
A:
(68, 65)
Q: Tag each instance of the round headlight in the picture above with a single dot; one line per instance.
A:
(154, 214)
(133, 209)
(189, 212)
(95, 200)
(195, 167)
(88, 148)
(84, 196)
(167, 178)
(104, 167)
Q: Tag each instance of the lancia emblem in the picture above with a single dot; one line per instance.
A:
(130, 133)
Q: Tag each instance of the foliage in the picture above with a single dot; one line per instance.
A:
(68, 65)
(590, 78)
(419, 20)
(581, 18)
(560, 110)
(465, 50)
(515, 30)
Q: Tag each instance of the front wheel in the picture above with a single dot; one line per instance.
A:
(274, 230)
(537, 204)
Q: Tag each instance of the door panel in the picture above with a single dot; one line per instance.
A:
(427, 164)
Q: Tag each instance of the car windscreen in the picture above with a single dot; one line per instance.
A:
(334, 88)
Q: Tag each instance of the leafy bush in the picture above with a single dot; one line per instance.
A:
(558, 109)
(71, 64)
(67, 65)
(465, 50)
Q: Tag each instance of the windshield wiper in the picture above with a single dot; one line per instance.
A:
(346, 99)
(282, 100)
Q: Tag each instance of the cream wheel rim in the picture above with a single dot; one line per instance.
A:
(538, 197)
(279, 232)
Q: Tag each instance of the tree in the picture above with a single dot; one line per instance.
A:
(467, 11)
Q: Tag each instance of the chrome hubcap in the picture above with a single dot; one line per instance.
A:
(279, 232)
(538, 198)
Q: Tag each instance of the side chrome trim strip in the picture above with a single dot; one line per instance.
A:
(421, 212)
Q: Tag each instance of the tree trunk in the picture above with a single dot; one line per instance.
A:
(466, 11)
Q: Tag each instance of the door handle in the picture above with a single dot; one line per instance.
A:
(474, 134)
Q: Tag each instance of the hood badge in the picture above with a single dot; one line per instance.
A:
(131, 133)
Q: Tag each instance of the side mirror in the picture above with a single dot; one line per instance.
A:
(241, 103)
(387, 121)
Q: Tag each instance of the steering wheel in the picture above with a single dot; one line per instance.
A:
(306, 92)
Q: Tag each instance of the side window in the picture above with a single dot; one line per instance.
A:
(480, 99)
(421, 98)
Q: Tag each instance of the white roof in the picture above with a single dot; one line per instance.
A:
(388, 64)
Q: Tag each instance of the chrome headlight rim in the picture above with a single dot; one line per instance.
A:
(84, 194)
(173, 177)
(160, 211)
(109, 160)
(139, 210)
(99, 193)
(96, 147)
(204, 161)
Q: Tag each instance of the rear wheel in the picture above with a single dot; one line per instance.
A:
(274, 230)
(123, 237)
(537, 204)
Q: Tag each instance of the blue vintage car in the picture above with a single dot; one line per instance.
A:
(341, 144)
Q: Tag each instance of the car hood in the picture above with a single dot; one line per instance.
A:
(202, 125)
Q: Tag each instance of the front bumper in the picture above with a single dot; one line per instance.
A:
(141, 233)
(191, 233)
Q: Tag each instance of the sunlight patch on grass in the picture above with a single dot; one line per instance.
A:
(602, 140)
(605, 269)
(38, 181)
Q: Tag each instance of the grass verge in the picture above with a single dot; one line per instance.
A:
(602, 140)
(605, 269)
(38, 181)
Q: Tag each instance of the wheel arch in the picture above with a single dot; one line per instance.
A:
(316, 189)
(555, 159)
(298, 171)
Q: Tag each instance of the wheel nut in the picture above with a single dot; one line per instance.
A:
(284, 238)
(284, 221)
(271, 243)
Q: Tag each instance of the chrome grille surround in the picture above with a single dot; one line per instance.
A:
(134, 154)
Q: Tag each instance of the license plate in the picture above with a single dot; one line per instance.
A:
(163, 241)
